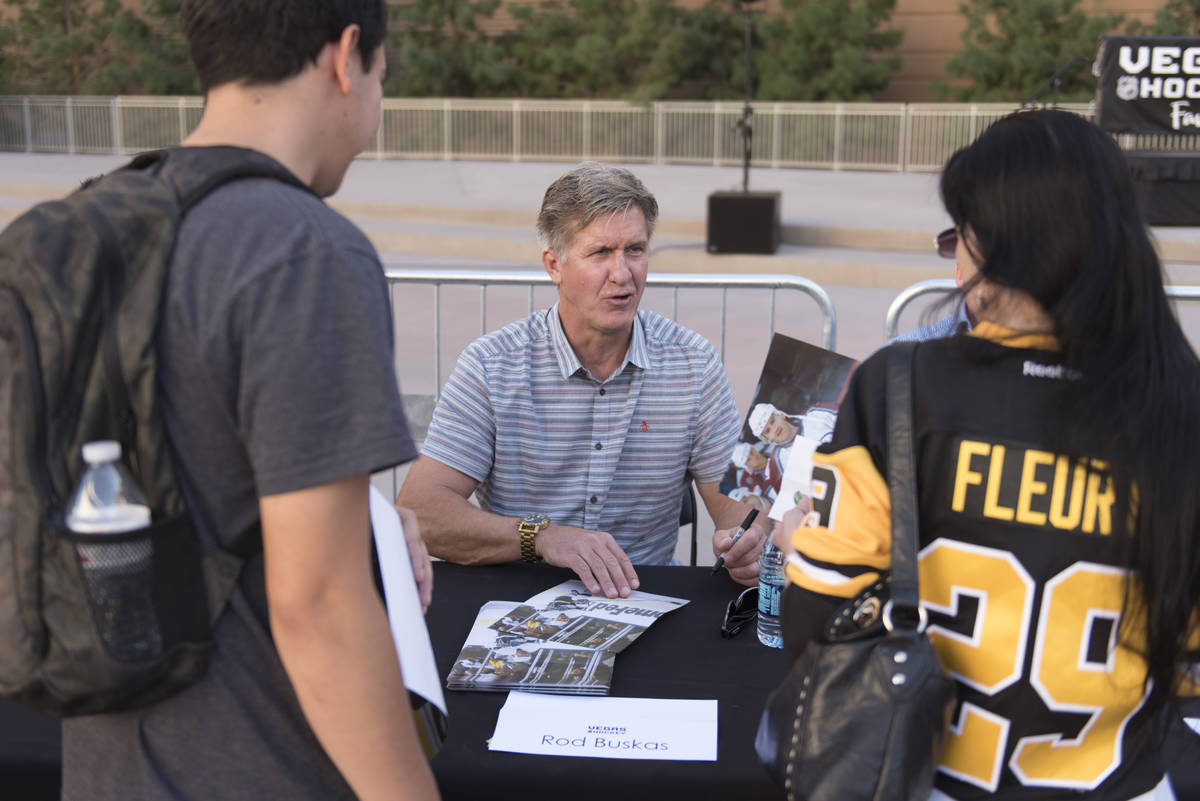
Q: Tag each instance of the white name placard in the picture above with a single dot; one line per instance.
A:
(612, 728)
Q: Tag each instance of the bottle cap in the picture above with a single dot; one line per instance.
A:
(104, 450)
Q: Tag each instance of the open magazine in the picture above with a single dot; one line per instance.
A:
(497, 660)
(569, 614)
(563, 640)
(794, 411)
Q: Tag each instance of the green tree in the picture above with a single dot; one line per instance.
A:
(61, 43)
(700, 56)
(7, 62)
(594, 48)
(827, 50)
(98, 47)
(151, 53)
(1175, 18)
(437, 50)
(1010, 47)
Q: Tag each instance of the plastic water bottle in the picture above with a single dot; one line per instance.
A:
(118, 575)
(770, 591)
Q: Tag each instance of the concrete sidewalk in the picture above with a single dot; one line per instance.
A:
(863, 236)
(906, 201)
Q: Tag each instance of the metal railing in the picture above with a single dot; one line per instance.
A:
(485, 278)
(852, 136)
(944, 286)
(934, 286)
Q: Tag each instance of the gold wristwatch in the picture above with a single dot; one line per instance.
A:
(528, 528)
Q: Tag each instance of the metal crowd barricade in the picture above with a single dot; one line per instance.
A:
(419, 405)
(947, 285)
(941, 286)
(484, 278)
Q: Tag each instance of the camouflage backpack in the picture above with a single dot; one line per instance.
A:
(81, 285)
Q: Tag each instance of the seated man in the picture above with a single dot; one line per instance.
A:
(962, 319)
(580, 424)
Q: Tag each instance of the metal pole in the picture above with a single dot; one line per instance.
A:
(115, 105)
(28, 125)
(587, 130)
(746, 110)
(70, 126)
(516, 132)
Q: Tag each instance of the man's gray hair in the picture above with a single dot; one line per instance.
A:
(587, 192)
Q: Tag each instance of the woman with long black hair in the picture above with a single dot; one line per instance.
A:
(1058, 450)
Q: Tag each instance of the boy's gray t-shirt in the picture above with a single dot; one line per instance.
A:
(275, 351)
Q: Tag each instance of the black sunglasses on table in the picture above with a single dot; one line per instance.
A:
(741, 612)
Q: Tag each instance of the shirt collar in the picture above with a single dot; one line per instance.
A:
(568, 362)
(1014, 339)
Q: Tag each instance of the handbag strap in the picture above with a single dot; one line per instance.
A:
(902, 481)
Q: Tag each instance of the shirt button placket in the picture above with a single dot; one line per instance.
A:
(599, 415)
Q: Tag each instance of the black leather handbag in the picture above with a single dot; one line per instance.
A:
(863, 712)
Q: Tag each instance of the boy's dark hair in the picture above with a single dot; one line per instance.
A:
(267, 41)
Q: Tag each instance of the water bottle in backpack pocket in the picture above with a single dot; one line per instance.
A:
(110, 518)
(107, 599)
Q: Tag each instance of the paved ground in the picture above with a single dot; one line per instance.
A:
(858, 199)
(862, 236)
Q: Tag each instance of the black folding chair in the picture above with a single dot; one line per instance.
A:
(687, 515)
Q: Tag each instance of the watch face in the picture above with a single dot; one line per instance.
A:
(535, 519)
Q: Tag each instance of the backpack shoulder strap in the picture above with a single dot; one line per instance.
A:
(193, 172)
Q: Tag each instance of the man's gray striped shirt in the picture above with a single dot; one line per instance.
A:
(523, 417)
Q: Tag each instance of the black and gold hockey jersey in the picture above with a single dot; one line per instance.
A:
(1017, 568)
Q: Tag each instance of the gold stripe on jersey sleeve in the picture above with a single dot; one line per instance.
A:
(850, 526)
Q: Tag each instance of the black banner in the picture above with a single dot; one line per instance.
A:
(1149, 84)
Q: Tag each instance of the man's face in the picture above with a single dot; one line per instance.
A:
(601, 278)
(756, 460)
(778, 429)
(359, 113)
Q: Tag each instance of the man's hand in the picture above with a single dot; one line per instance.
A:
(741, 557)
(422, 565)
(593, 555)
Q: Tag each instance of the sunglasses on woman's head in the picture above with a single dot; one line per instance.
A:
(946, 242)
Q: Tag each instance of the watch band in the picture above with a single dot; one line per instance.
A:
(528, 527)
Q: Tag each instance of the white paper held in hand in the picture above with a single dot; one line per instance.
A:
(403, 605)
(797, 476)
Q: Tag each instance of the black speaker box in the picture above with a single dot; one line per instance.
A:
(743, 222)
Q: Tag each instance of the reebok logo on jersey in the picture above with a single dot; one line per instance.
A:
(1056, 371)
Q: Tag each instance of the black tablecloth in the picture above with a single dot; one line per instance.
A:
(681, 656)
